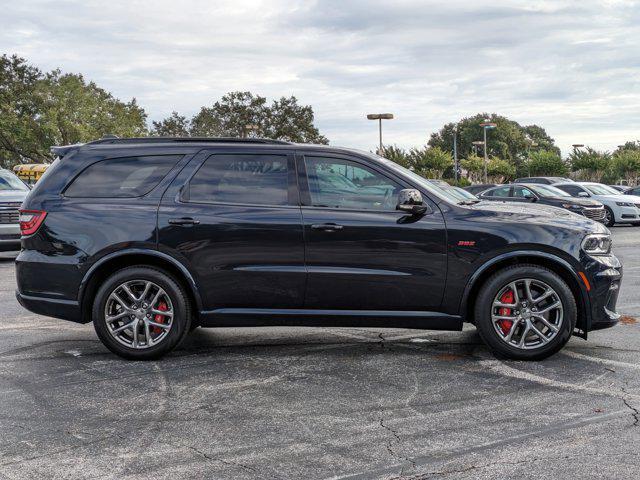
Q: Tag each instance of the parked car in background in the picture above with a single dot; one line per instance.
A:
(147, 237)
(542, 180)
(619, 208)
(476, 189)
(13, 191)
(620, 188)
(633, 191)
(546, 195)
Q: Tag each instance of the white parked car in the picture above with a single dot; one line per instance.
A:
(619, 208)
(13, 191)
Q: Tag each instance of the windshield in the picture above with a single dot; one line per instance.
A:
(442, 193)
(549, 191)
(599, 189)
(8, 181)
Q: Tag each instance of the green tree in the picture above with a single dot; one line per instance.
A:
(40, 110)
(398, 155)
(590, 164)
(77, 111)
(509, 140)
(22, 136)
(499, 171)
(625, 164)
(474, 166)
(230, 116)
(629, 145)
(545, 162)
(430, 162)
(290, 121)
(241, 114)
(175, 125)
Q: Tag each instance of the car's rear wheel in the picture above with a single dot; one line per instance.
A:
(609, 217)
(525, 312)
(141, 313)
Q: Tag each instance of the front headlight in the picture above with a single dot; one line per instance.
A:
(597, 244)
(624, 204)
(571, 206)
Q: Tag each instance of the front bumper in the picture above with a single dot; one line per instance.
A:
(605, 277)
(627, 215)
(9, 237)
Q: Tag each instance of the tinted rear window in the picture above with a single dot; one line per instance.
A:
(245, 178)
(126, 177)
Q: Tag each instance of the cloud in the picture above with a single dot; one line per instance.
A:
(569, 66)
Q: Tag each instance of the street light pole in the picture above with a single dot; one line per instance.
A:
(380, 117)
(455, 152)
(486, 125)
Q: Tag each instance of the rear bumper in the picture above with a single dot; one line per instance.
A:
(51, 307)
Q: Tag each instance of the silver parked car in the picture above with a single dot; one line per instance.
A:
(13, 191)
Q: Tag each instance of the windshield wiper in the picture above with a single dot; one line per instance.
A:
(469, 202)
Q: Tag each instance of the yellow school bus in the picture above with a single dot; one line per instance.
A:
(30, 173)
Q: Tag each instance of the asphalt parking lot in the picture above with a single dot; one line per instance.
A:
(311, 403)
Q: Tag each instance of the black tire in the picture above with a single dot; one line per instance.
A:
(609, 219)
(181, 322)
(492, 287)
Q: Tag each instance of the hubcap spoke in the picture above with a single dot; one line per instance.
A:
(113, 318)
(527, 290)
(124, 327)
(547, 323)
(159, 325)
(512, 331)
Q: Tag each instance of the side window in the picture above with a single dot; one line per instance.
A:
(572, 190)
(499, 192)
(126, 177)
(522, 192)
(241, 178)
(338, 183)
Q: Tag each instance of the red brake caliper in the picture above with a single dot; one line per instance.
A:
(159, 318)
(505, 324)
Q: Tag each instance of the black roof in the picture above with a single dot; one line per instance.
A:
(62, 150)
(116, 141)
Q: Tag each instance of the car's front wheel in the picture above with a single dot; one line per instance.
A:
(141, 313)
(609, 217)
(525, 312)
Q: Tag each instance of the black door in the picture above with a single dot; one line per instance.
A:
(234, 220)
(362, 254)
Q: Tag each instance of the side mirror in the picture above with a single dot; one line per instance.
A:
(530, 198)
(410, 201)
(583, 194)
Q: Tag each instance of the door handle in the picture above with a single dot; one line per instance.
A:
(183, 221)
(327, 227)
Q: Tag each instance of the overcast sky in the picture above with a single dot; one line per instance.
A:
(572, 67)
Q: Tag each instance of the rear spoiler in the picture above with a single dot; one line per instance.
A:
(62, 150)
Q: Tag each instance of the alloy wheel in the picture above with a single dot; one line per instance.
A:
(139, 314)
(527, 313)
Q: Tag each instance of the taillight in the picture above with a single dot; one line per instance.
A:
(30, 221)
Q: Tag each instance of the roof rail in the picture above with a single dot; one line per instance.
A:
(187, 140)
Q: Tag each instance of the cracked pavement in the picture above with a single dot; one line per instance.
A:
(289, 403)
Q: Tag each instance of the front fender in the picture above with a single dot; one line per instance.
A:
(524, 255)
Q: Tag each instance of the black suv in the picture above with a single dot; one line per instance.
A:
(150, 237)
